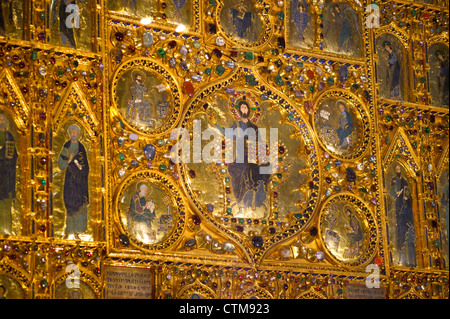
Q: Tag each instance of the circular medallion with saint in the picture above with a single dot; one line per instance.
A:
(149, 209)
(146, 96)
(341, 124)
(348, 230)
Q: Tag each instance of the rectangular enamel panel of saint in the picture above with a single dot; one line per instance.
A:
(402, 213)
(72, 189)
(10, 189)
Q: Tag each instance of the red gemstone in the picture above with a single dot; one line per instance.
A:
(310, 74)
(196, 220)
(43, 161)
(192, 173)
(189, 88)
(172, 44)
(309, 108)
(119, 36)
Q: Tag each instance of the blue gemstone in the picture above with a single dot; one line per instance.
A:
(150, 151)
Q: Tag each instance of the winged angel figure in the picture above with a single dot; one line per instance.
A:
(300, 17)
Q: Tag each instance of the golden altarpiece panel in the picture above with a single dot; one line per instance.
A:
(117, 162)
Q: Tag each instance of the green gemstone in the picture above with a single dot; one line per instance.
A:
(250, 80)
(300, 64)
(427, 129)
(92, 76)
(264, 222)
(161, 142)
(337, 188)
(161, 52)
(355, 86)
(44, 283)
(42, 15)
(57, 97)
(437, 243)
(423, 79)
(330, 80)
(229, 211)
(94, 99)
(249, 55)
(75, 63)
(311, 88)
(196, 45)
(328, 167)
(291, 117)
(43, 182)
(388, 118)
(279, 80)
(280, 15)
(223, 170)
(212, 2)
(220, 70)
(121, 157)
(414, 12)
(241, 220)
(162, 167)
(227, 179)
(274, 183)
(60, 73)
(208, 71)
(34, 55)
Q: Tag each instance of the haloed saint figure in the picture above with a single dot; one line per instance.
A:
(393, 72)
(345, 128)
(141, 214)
(249, 185)
(63, 10)
(400, 192)
(73, 160)
(8, 160)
